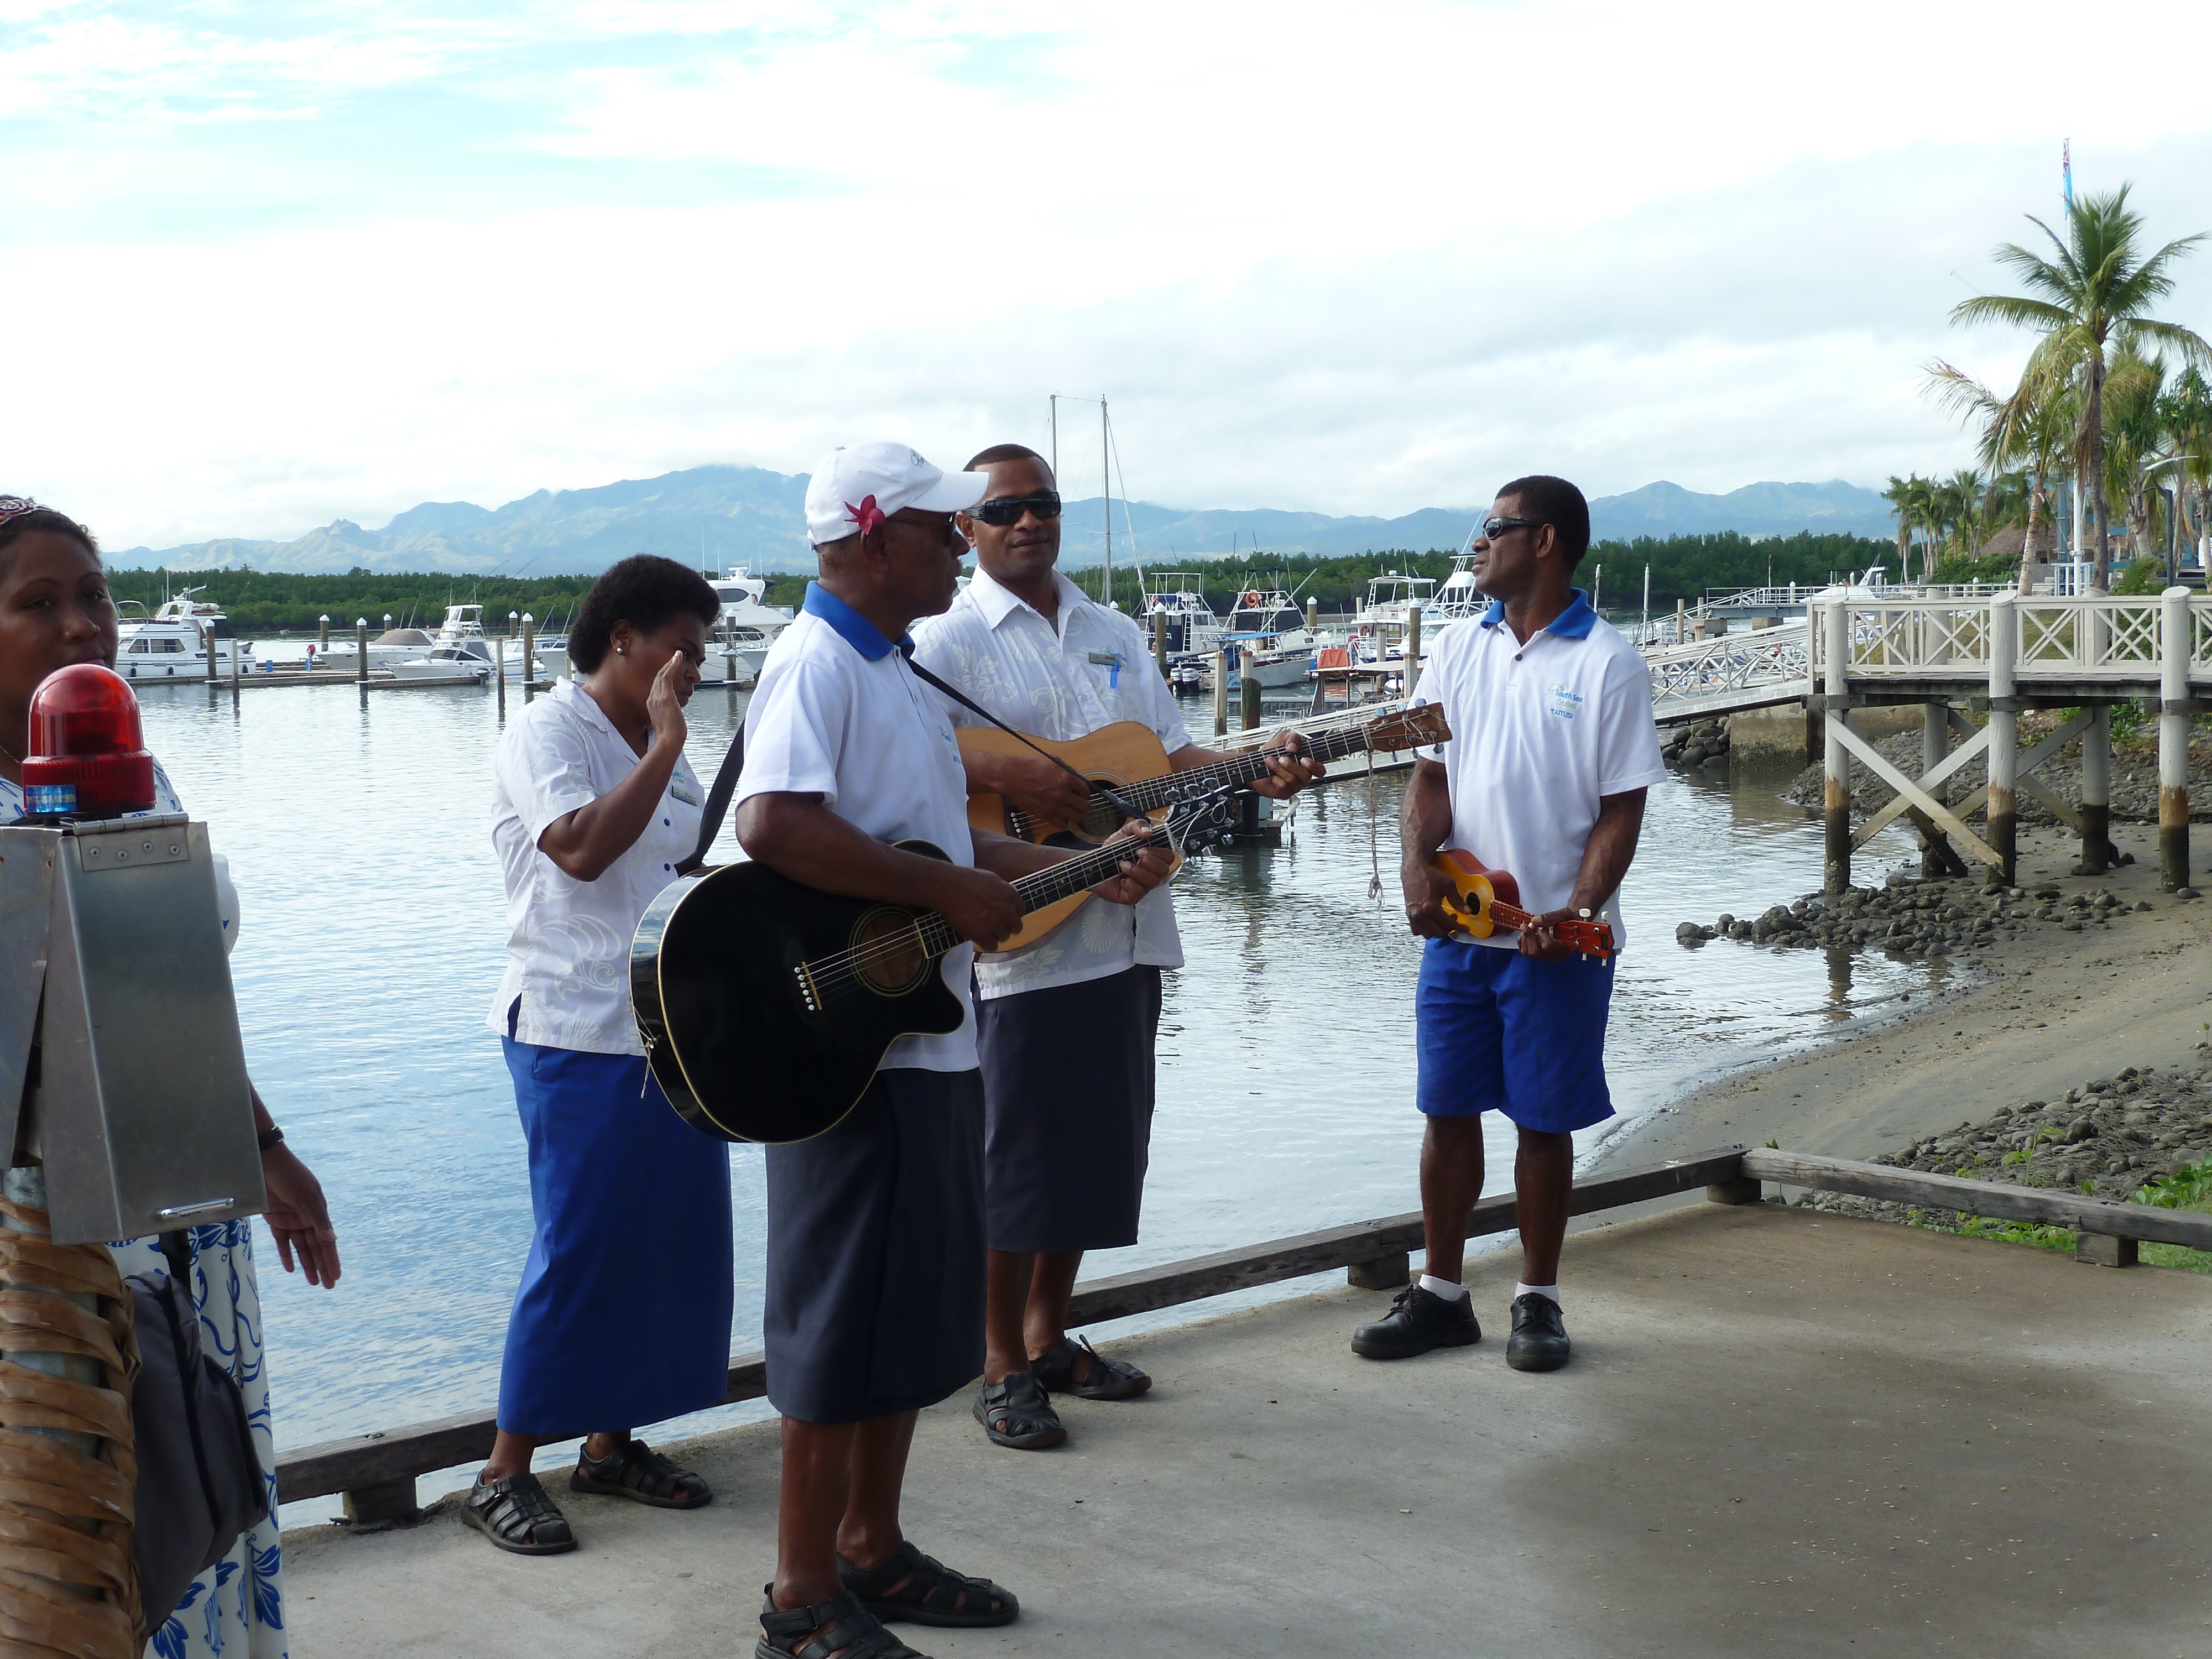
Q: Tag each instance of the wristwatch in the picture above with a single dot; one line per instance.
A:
(268, 1137)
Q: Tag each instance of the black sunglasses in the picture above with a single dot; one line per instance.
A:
(1005, 510)
(1494, 528)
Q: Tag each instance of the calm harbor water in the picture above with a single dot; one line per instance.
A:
(372, 940)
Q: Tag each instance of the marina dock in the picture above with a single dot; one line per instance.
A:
(1783, 1431)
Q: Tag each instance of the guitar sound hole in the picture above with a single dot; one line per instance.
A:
(1100, 820)
(889, 956)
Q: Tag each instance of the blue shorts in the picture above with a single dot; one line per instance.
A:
(1494, 1030)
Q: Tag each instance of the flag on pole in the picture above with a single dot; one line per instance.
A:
(2066, 170)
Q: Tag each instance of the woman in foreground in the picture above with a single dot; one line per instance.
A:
(55, 611)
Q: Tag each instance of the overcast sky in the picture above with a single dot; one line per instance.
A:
(265, 265)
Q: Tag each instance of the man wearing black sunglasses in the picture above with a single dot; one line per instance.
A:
(1066, 1027)
(1553, 748)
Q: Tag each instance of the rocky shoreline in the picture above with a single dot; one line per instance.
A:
(1909, 919)
(2110, 1137)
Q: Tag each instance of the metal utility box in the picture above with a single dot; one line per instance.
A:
(116, 1008)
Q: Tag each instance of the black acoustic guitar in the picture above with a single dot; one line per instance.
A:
(766, 1006)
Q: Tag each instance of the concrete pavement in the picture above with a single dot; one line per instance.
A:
(1783, 1432)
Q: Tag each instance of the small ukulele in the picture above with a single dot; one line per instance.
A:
(1485, 902)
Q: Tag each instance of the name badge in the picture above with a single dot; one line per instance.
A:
(680, 793)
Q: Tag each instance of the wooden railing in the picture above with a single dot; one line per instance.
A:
(376, 1472)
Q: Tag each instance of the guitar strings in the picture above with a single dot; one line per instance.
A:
(847, 965)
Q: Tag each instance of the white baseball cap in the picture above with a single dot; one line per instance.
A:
(856, 483)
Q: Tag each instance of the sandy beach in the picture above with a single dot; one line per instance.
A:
(2032, 1017)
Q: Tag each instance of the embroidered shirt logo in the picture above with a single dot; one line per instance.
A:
(1566, 703)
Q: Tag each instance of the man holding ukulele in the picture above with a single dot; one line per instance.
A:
(1066, 1026)
(1553, 749)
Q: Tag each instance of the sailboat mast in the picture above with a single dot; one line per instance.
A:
(1106, 479)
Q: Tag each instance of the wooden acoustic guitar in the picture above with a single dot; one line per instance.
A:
(1128, 759)
(766, 1006)
(1488, 900)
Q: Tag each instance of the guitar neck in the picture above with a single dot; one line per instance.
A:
(1043, 887)
(1238, 770)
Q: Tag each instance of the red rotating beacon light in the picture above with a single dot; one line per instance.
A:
(88, 757)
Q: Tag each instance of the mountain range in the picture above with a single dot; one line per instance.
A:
(722, 515)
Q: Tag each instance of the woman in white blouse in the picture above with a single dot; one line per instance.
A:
(623, 1317)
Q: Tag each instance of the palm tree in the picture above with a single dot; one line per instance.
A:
(2092, 298)
(2135, 433)
(2187, 412)
(1899, 497)
(2031, 429)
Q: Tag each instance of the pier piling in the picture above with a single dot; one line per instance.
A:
(1937, 858)
(499, 674)
(1248, 677)
(2174, 626)
(360, 656)
(529, 654)
(1160, 642)
(322, 635)
(2096, 791)
(2004, 737)
(1412, 649)
(1220, 692)
(1836, 791)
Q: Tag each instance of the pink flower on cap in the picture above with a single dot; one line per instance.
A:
(867, 516)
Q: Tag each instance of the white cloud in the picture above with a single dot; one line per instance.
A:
(1358, 260)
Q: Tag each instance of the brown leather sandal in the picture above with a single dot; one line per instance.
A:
(634, 1470)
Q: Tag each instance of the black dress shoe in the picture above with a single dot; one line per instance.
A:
(1539, 1342)
(1417, 1321)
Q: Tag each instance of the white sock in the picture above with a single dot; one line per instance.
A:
(1444, 1288)
(1552, 1291)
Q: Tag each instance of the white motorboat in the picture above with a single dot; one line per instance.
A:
(172, 644)
(1380, 627)
(444, 663)
(744, 632)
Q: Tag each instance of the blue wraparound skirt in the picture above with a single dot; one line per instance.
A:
(623, 1317)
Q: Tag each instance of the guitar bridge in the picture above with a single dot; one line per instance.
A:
(809, 997)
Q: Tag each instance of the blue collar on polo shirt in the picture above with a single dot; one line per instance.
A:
(1572, 623)
(856, 629)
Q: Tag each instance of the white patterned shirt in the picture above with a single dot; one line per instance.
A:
(1062, 680)
(568, 941)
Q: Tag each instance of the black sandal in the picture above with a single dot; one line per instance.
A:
(922, 1590)
(1106, 1379)
(841, 1628)
(1016, 1412)
(641, 1475)
(518, 1517)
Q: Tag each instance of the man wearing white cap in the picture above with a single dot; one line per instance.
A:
(874, 1303)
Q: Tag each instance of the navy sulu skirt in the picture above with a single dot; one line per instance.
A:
(623, 1317)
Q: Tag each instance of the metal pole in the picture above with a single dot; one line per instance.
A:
(2174, 625)
(1052, 404)
(1836, 794)
(1220, 691)
(1106, 482)
(2004, 735)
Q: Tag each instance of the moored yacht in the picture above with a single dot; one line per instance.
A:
(743, 634)
(172, 644)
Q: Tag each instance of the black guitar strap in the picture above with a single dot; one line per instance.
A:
(1091, 785)
(718, 801)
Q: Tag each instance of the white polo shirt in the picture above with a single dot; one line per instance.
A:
(568, 941)
(838, 714)
(1540, 733)
(1063, 679)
